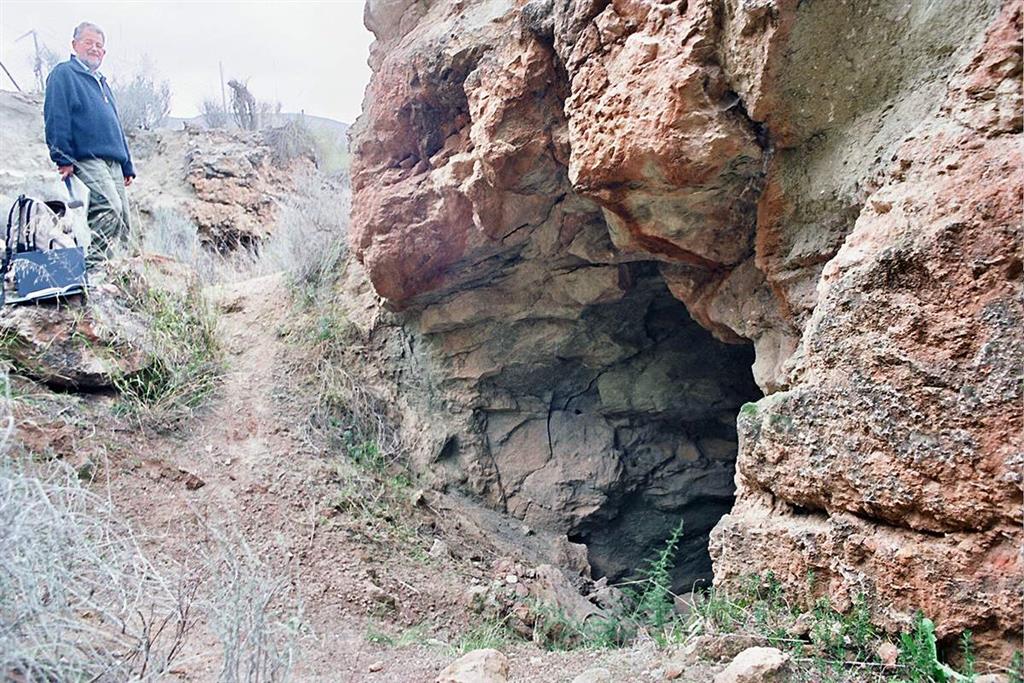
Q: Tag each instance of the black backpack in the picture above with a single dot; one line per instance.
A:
(39, 273)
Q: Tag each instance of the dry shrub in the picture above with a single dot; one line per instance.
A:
(291, 141)
(308, 242)
(143, 101)
(80, 601)
(214, 114)
(253, 610)
(78, 598)
(310, 238)
(174, 235)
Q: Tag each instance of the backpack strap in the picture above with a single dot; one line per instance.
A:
(10, 220)
(27, 228)
(9, 245)
(19, 241)
(19, 236)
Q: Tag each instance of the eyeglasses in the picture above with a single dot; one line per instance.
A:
(90, 44)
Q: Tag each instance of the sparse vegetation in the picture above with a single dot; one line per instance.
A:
(487, 634)
(290, 141)
(173, 235)
(331, 151)
(826, 645)
(214, 114)
(1016, 672)
(78, 598)
(652, 595)
(183, 357)
(310, 239)
(254, 613)
(408, 637)
(919, 654)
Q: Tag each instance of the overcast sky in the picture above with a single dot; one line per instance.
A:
(308, 54)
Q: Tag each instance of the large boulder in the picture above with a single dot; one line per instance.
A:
(83, 343)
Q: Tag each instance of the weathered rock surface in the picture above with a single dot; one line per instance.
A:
(77, 343)
(554, 197)
(892, 464)
(236, 179)
(556, 407)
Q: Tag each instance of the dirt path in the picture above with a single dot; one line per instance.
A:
(245, 467)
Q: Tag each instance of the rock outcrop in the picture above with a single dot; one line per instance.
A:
(94, 342)
(78, 344)
(891, 465)
(237, 178)
(595, 225)
(228, 183)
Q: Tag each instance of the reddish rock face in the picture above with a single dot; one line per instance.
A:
(891, 465)
(673, 162)
(836, 185)
(236, 181)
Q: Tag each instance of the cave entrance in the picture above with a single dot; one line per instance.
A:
(614, 424)
(671, 407)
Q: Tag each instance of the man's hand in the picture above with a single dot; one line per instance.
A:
(66, 171)
(128, 180)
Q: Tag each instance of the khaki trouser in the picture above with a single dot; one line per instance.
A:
(109, 221)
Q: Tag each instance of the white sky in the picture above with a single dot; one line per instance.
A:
(309, 54)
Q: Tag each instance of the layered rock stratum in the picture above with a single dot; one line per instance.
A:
(647, 260)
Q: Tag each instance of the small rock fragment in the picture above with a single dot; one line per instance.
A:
(192, 482)
(439, 549)
(756, 665)
(888, 654)
(595, 675)
(478, 666)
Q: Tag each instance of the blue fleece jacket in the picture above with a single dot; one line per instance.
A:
(81, 118)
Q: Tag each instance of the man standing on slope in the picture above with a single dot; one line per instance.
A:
(86, 139)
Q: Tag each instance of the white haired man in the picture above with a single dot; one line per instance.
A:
(86, 139)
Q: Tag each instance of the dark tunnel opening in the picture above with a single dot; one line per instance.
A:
(675, 432)
(636, 429)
